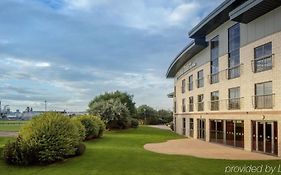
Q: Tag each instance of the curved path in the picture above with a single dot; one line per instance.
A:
(8, 134)
(202, 149)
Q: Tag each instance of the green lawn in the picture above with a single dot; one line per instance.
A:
(11, 125)
(122, 153)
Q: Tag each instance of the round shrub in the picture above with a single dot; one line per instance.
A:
(52, 135)
(80, 149)
(81, 129)
(134, 123)
(91, 126)
(101, 125)
(18, 153)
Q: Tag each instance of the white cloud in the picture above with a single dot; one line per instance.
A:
(24, 62)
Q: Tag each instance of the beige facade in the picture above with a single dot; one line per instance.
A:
(256, 120)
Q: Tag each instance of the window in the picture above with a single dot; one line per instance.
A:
(191, 104)
(214, 78)
(190, 83)
(200, 102)
(263, 95)
(175, 91)
(183, 86)
(234, 98)
(263, 58)
(234, 51)
(183, 105)
(200, 79)
(215, 101)
(191, 127)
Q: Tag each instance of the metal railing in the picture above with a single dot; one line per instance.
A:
(234, 72)
(263, 101)
(200, 106)
(234, 103)
(191, 107)
(200, 82)
(214, 78)
(262, 64)
(215, 105)
(190, 86)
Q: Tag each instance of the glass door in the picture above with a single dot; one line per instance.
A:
(201, 128)
(268, 137)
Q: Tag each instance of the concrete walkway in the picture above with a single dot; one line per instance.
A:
(160, 127)
(8, 134)
(202, 149)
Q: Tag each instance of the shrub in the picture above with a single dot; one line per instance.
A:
(53, 137)
(93, 125)
(18, 153)
(80, 149)
(172, 126)
(81, 129)
(134, 123)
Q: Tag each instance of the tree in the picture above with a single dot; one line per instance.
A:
(112, 112)
(166, 116)
(147, 114)
(123, 97)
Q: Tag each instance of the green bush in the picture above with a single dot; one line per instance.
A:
(81, 129)
(18, 153)
(134, 123)
(93, 125)
(52, 135)
(80, 149)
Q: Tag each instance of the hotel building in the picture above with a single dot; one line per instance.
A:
(227, 81)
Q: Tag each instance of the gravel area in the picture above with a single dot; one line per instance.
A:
(202, 149)
(8, 134)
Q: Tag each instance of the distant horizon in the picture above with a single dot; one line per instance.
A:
(69, 51)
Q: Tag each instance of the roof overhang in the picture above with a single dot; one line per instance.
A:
(216, 18)
(253, 9)
(186, 54)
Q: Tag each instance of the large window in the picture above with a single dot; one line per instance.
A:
(263, 95)
(263, 58)
(175, 107)
(214, 77)
(234, 98)
(234, 51)
(191, 127)
(215, 101)
(175, 91)
(216, 131)
(183, 105)
(235, 133)
(200, 105)
(200, 79)
(191, 104)
(183, 86)
(190, 83)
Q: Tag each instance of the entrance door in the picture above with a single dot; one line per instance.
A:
(183, 126)
(264, 137)
(201, 128)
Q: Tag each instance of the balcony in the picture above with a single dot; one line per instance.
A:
(263, 101)
(215, 105)
(234, 72)
(234, 103)
(214, 78)
(191, 107)
(200, 82)
(200, 106)
(262, 64)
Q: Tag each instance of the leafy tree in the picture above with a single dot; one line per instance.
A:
(113, 112)
(123, 97)
(166, 116)
(147, 114)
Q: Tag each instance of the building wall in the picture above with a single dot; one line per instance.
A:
(266, 28)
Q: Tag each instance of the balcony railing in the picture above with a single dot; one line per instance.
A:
(262, 64)
(264, 101)
(234, 103)
(191, 107)
(214, 78)
(183, 108)
(200, 106)
(200, 82)
(190, 86)
(215, 105)
(234, 72)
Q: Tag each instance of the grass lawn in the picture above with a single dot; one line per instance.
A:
(122, 153)
(11, 125)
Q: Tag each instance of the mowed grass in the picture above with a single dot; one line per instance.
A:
(11, 125)
(122, 153)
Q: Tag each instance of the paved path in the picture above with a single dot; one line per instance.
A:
(202, 149)
(8, 134)
(160, 127)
